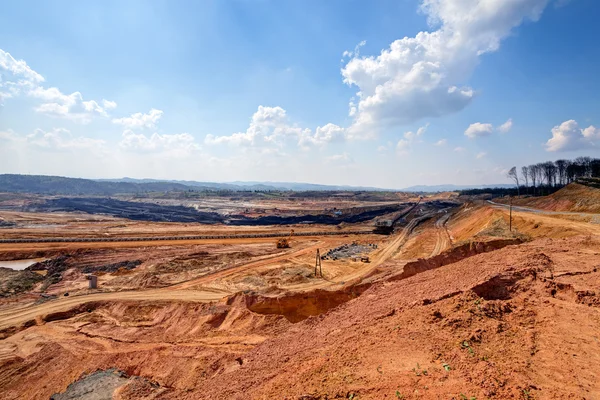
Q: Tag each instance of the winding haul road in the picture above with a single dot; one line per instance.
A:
(26, 315)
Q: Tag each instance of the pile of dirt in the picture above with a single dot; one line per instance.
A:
(494, 325)
(348, 251)
(13, 282)
(497, 325)
(55, 269)
(144, 280)
(95, 386)
(114, 267)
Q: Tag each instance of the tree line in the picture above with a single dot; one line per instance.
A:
(543, 178)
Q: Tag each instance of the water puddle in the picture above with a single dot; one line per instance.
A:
(20, 265)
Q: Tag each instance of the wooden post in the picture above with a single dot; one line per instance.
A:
(318, 264)
(510, 215)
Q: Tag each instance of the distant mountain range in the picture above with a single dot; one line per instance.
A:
(453, 188)
(75, 186)
(251, 185)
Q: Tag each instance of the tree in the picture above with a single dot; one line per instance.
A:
(533, 176)
(561, 166)
(525, 173)
(595, 167)
(512, 174)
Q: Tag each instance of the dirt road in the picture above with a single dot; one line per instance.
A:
(594, 216)
(16, 316)
(443, 239)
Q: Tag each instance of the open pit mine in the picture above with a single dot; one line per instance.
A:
(300, 295)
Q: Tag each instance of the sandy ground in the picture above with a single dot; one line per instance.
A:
(209, 319)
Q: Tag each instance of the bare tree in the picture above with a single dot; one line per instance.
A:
(512, 174)
(561, 166)
(539, 172)
(525, 174)
(532, 170)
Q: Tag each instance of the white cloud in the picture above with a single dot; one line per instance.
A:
(460, 149)
(109, 105)
(61, 139)
(19, 69)
(441, 142)
(419, 77)
(270, 125)
(591, 133)
(568, 136)
(17, 78)
(506, 127)
(403, 146)
(481, 155)
(177, 145)
(323, 135)
(479, 130)
(140, 120)
(356, 51)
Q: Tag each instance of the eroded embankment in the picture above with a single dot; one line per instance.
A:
(453, 255)
(490, 326)
(296, 307)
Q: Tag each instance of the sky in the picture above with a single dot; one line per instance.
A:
(348, 92)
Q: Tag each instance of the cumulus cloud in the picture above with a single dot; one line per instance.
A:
(481, 155)
(17, 78)
(479, 130)
(404, 145)
(71, 106)
(176, 144)
(460, 149)
(421, 76)
(270, 125)
(506, 127)
(140, 120)
(19, 69)
(568, 136)
(441, 142)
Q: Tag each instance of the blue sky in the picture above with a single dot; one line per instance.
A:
(385, 93)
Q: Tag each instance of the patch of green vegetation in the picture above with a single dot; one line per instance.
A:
(418, 371)
(466, 345)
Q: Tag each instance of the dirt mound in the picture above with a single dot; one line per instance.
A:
(171, 343)
(99, 385)
(573, 197)
(14, 282)
(496, 325)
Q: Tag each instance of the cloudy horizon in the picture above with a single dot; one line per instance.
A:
(408, 93)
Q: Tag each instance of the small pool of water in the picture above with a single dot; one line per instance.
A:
(20, 265)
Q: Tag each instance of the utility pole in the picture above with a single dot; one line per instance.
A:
(510, 213)
(318, 264)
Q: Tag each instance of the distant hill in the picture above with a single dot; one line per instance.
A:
(106, 187)
(452, 188)
(253, 185)
(74, 186)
